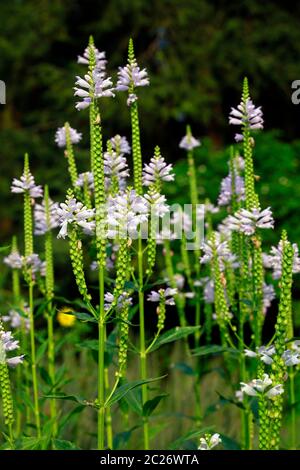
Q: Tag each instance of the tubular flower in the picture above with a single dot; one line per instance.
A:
(274, 260)
(42, 225)
(262, 386)
(27, 184)
(8, 344)
(131, 76)
(268, 296)
(264, 353)
(120, 144)
(157, 204)
(99, 57)
(157, 171)
(60, 136)
(85, 177)
(123, 301)
(94, 85)
(115, 165)
(16, 320)
(247, 221)
(246, 115)
(125, 212)
(165, 295)
(209, 441)
(291, 358)
(75, 213)
(226, 190)
(14, 260)
(188, 142)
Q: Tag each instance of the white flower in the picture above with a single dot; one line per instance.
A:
(120, 144)
(163, 295)
(14, 260)
(268, 296)
(291, 358)
(263, 353)
(246, 114)
(248, 221)
(209, 441)
(93, 86)
(85, 177)
(125, 213)
(274, 391)
(99, 56)
(157, 204)
(8, 344)
(35, 264)
(274, 260)
(60, 136)
(225, 195)
(131, 76)
(42, 225)
(16, 320)
(258, 386)
(208, 289)
(156, 171)
(73, 212)
(188, 142)
(124, 300)
(26, 183)
(115, 165)
(222, 248)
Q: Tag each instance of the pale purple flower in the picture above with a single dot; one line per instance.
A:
(124, 300)
(163, 295)
(86, 177)
(157, 204)
(268, 296)
(14, 260)
(115, 165)
(156, 171)
(274, 260)
(248, 221)
(35, 264)
(264, 353)
(131, 76)
(291, 358)
(225, 195)
(16, 320)
(93, 86)
(188, 142)
(182, 222)
(42, 225)
(27, 183)
(99, 56)
(8, 344)
(120, 144)
(60, 136)
(246, 114)
(222, 248)
(73, 212)
(125, 213)
(208, 290)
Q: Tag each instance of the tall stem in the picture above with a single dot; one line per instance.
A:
(109, 432)
(143, 355)
(101, 350)
(293, 411)
(33, 363)
(51, 368)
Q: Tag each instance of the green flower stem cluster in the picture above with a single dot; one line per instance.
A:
(76, 255)
(49, 285)
(123, 264)
(28, 242)
(5, 387)
(179, 299)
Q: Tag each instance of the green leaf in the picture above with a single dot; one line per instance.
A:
(212, 349)
(45, 376)
(179, 443)
(84, 317)
(134, 400)
(41, 350)
(173, 335)
(88, 344)
(121, 439)
(73, 414)
(60, 444)
(76, 398)
(124, 389)
(4, 249)
(229, 444)
(225, 400)
(150, 405)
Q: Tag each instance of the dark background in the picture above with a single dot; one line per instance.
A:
(197, 53)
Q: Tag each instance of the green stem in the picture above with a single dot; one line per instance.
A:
(51, 369)
(101, 374)
(143, 354)
(293, 411)
(109, 432)
(33, 363)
